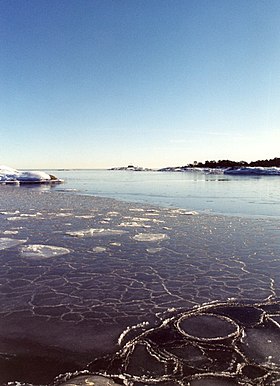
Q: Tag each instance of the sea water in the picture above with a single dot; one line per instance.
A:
(216, 193)
(102, 291)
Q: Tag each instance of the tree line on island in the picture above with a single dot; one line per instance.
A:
(274, 162)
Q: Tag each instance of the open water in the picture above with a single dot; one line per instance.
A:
(142, 290)
(216, 193)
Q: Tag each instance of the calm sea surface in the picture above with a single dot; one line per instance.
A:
(217, 193)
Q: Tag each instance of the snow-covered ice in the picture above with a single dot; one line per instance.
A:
(273, 171)
(10, 175)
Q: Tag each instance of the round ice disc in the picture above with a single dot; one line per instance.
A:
(207, 327)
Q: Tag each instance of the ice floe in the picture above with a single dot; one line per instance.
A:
(95, 232)
(10, 232)
(207, 327)
(86, 216)
(116, 244)
(153, 250)
(133, 224)
(10, 175)
(42, 251)
(10, 213)
(98, 249)
(6, 242)
(113, 214)
(263, 346)
(83, 380)
(150, 237)
(184, 212)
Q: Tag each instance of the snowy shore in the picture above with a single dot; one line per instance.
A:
(13, 176)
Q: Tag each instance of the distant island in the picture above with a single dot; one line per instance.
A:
(132, 168)
(268, 166)
(221, 164)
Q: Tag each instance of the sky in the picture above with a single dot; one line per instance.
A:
(153, 83)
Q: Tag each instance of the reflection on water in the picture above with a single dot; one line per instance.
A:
(190, 298)
(243, 195)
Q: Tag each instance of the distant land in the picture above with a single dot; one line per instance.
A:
(221, 164)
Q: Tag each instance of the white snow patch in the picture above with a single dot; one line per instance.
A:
(10, 175)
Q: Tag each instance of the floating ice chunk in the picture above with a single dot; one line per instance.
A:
(142, 219)
(133, 224)
(116, 244)
(90, 380)
(184, 212)
(214, 380)
(99, 249)
(113, 214)
(150, 237)
(23, 216)
(95, 232)
(11, 232)
(85, 216)
(153, 250)
(262, 346)
(207, 327)
(30, 215)
(15, 218)
(136, 210)
(10, 213)
(6, 243)
(42, 251)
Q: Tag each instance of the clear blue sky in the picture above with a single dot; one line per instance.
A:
(101, 83)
